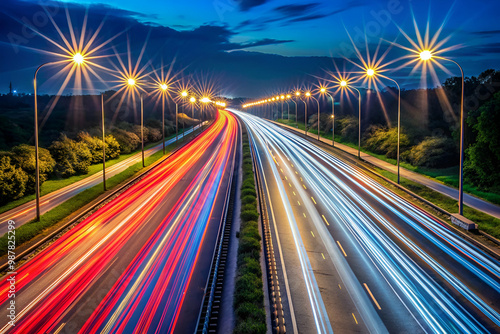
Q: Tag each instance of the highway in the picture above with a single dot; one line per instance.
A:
(140, 263)
(354, 257)
(26, 212)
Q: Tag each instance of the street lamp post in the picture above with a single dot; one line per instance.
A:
(142, 129)
(103, 144)
(427, 55)
(288, 107)
(164, 88)
(318, 112)
(323, 90)
(297, 94)
(192, 100)
(307, 94)
(78, 59)
(343, 83)
(371, 72)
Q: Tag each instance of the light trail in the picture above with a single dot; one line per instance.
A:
(431, 304)
(149, 294)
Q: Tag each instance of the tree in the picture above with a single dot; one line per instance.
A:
(12, 180)
(128, 141)
(384, 140)
(94, 144)
(433, 152)
(112, 147)
(483, 156)
(72, 157)
(23, 156)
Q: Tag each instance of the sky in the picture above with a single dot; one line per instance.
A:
(252, 46)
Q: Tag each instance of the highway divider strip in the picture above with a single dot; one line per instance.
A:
(86, 209)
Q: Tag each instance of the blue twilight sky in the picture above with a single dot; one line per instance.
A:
(316, 28)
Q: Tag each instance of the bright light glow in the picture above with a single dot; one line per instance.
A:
(322, 90)
(308, 94)
(163, 86)
(425, 55)
(131, 82)
(192, 100)
(343, 83)
(184, 94)
(370, 72)
(78, 58)
(282, 97)
(297, 93)
(205, 100)
(288, 96)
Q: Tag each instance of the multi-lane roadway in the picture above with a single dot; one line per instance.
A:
(140, 263)
(26, 212)
(355, 257)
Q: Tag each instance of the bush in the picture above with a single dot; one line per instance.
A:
(248, 192)
(94, 145)
(154, 135)
(383, 140)
(12, 181)
(433, 152)
(112, 147)
(249, 199)
(127, 140)
(72, 157)
(348, 128)
(23, 156)
(248, 215)
(136, 129)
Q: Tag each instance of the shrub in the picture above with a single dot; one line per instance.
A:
(23, 156)
(94, 145)
(248, 199)
(348, 127)
(434, 152)
(154, 135)
(127, 140)
(12, 180)
(112, 147)
(384, 140)
(72, 157)
(248, 192)
(248, 215)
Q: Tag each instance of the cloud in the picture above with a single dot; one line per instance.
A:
(486, 32)
(265, 41)
(295, 10)
(246, 5)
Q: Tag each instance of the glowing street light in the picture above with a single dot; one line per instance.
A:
(131, 81)
(163, 88)
(370, 72)
(324, 91)
(426, 55)
(344, 84)
(309, 95)
(77, 59)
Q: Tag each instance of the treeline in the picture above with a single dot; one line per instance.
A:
(430, 129)
(67, 156)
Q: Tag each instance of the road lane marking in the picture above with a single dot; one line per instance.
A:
(371, 295)
(290, 184)
(340, 287)
(313, 234)
(323, 255)
(294, 194)
(60, 328)
(313, 200)
(355, 318)
(304, 186)
(301, 180)
(298, 202)
(341, 248)
(286, 178)
(304, 215)
(326, 221)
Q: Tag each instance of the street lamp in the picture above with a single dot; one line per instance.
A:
(310, 95)
(297, 94)
(344, 84)
(427, 55)
(132, 82)
(371, 73)
(163, 87)
(324, 91)
(307, 94)
(282, 97)
(206, 100)
(103, 144)
(288, 96)
(78, 59)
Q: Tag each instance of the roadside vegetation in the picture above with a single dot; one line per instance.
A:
(249, 295)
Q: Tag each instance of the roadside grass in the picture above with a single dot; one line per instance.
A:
(52, 185)
(249, 294)
(486, 223)
(30, 230)
(447, 176)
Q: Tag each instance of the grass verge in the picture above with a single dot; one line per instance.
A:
(249, 293)
(486, 223)
(30, 230)
(447, 176)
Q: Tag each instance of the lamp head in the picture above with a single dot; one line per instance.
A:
(78, 58)
(131, 82)
(425, 55)
(308, 94)
(282, 97)
(322, 90)
(297, 93)
(205, 99)
(163, 87)
(370, 72)
(192, 99)
(184, 93)
(288, 96)
(343, 83)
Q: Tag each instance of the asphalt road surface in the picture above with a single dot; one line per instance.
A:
(140, 263)
(353, 257)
